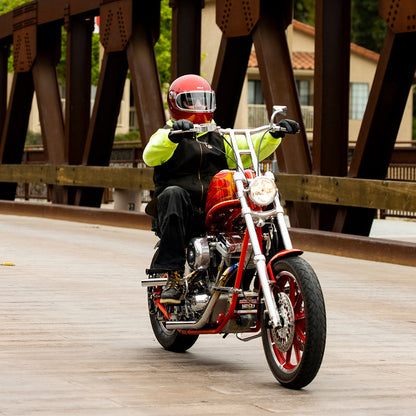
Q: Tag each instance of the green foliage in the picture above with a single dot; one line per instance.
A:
(95, 64)
(368, 29)
(131, 136)
(8, 5)
(33, 139)
(304, 11)
(163, 45)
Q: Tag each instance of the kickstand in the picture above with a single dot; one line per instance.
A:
(240, 337)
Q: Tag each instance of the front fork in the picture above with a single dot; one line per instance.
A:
(259, 258)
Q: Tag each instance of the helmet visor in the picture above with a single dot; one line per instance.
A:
(199, 101)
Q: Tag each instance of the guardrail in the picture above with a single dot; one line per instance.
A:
(364, 193)
(308, 188)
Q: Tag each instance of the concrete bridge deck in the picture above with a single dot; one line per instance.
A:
(75, 337)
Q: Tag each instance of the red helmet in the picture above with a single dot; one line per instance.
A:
(191, 97)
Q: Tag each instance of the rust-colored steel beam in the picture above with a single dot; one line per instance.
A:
(331, 98)
(4, 56)
(186, 37)
(15, 127)
(128, 42)
(229, 75)
(143, 70)
(49, 99)
(78, 86)
(386, 103)
(400, 16)
(47, 92)
(24, 36)
(104, 120)
(116, 24)
(381, 122)
(78, 89)
(236, 21)
(279, 87)
(237, 18)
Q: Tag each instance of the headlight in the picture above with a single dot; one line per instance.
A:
(262, 191)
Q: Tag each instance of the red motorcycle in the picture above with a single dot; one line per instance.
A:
(244, 276)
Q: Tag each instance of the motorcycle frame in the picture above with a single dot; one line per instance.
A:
(252, 234)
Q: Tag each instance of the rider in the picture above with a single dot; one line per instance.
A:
(184, 164)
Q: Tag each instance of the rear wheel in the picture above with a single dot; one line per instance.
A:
(294, 351)
(170, 339)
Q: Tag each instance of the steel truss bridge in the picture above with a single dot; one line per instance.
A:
(129, 31)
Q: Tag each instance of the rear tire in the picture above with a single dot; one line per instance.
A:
(169, 339)
(295, 352)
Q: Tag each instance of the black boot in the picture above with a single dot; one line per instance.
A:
(172, 293)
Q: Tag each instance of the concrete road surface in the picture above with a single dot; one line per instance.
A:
(75, 337)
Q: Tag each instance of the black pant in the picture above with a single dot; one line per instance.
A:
(178, 221)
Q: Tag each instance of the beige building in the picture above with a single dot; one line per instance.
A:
(301, 39)
(124, 119)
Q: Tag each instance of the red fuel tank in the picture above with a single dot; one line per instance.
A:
(222, 206)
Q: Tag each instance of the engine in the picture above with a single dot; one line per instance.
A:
(210, 251)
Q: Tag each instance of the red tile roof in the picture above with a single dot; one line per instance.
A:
(300, 60)
(303, 60)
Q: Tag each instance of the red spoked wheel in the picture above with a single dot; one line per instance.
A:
(170, 339)
(294, 350)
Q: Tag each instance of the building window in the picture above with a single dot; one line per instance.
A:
(358, 99)
(255, 92)
(304, 92)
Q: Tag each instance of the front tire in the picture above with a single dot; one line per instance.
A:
(295, 351)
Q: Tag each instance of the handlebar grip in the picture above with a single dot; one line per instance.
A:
(182, 131)
(198, 128)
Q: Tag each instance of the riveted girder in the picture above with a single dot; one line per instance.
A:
(83, 133)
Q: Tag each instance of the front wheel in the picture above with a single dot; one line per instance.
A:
(294, 350)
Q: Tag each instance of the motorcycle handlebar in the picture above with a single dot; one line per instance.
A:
(203, 128)
(272, 127)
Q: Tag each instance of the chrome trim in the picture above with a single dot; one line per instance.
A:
(195, 324)
(154, 281)
(181, 324)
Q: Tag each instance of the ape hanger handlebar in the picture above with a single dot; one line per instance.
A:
(208, 127)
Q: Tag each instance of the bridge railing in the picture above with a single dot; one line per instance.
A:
(340, 191)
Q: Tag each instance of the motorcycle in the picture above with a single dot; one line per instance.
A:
(243, 276)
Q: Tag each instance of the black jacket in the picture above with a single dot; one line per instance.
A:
(192, 166)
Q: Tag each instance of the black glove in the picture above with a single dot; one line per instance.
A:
(180, 125)
(292, 127)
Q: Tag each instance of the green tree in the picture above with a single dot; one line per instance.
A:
(304, 11)
(8, 5)
(163, 45)
(368, 29)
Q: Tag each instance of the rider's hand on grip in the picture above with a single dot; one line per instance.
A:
(291, 127)
(180, 125)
